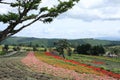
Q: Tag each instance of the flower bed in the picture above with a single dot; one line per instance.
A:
(66, 64)
(92, 67)
(37, 65)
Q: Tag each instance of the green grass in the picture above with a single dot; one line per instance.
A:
(110, 64)
(0, 48)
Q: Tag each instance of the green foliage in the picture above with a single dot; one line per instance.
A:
(5, 48)
(43, 9)
(5, 18)
(83, 49)
(69, 52)
(61, 45)
(97, 50)
(2, 53)
(90, 50)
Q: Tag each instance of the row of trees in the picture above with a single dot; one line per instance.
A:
(90, 50)
(30, 44)
(80, 49)
(6, 48)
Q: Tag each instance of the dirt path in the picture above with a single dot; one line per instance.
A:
(11, 68)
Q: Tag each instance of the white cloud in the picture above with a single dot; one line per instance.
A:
(90, 3)
(90, 10)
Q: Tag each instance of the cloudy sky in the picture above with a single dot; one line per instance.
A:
(87, 19)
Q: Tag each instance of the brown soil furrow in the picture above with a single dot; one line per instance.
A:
(11, 68)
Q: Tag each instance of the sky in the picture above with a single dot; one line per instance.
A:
(87, 19)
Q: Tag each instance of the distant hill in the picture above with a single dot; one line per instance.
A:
(49, 42)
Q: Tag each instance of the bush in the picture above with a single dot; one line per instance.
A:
(2, 52)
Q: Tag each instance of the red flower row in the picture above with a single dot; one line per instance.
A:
(92, 67)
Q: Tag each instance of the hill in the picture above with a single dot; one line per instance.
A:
(49, 42)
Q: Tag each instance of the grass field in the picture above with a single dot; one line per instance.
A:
(107, 63)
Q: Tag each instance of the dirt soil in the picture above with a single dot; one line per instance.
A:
(11, 68)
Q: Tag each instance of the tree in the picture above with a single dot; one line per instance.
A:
(83, 49)
(34, 48)
(97, 50)
(90, 50)
(69, 52)
(5, 48)
(61, 45)
(23, 14)
(37, 45)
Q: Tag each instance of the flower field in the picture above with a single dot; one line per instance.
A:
(107, 63)
(56, 66)
(60, 62)
(88, 66)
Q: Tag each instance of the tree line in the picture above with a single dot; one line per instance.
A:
(90, 50)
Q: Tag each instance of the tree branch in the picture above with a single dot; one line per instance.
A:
(19, 9)
(5, 3)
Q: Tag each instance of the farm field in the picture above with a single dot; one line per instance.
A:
(78, 70)
(44, 66)
(11, 68)
(107, 63)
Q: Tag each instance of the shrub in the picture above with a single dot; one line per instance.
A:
(2, 52)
